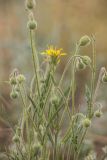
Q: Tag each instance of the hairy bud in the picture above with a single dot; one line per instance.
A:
(86, 122)
(20, 78)
(32, 24)
(12, 80)
(37, 149)
(14, 94)
(84, 41)
(80, 65)
(16, 139)
(86, 60)
(98, 113)
(104, 78)
(30, 4)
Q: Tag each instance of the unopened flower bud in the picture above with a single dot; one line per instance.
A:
(84, 41)
(16, 139)
(37, 149)
(86, 60)
(20, 78)
(80, 65)
(32, 24)
(104, 78)
(86, 122)
(13, 80)
(30, 4)
(14, 94)
(98, 113)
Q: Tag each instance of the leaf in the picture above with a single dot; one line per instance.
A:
(51, 120)
(65, 94)
(34, 105)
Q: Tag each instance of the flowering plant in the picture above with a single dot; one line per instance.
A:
(40, 134)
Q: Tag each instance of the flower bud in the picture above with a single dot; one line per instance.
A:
(14, 94)
(86, 122)
(86, 60)
(98, 113)
(80, 65)
(16, 139)
(13, 80)
(104, 78)
(84, 41)
(37, 149)
(20, 78)
(32, 24)
(30, 4)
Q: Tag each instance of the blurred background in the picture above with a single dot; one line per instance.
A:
(61, 23)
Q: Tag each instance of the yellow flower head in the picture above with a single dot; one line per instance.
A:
(54, 53)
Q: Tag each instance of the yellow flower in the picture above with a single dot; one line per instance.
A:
(53, 52)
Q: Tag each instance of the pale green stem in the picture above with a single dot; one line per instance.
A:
(66, 106)
(102, 71)
(50, 86)
(47, 96)
(93, 69)
(35, 62)
(25, 117)
(55, 147)
(73, 81)
(66, 67)
(79, 147)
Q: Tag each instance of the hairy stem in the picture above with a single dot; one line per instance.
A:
(35, 61)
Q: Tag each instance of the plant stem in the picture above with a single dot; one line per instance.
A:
(55, 147)
(25, 117)
(66, 67)
(35, 62)
(93, 69)
(102, 71)
(66, 104)
(73, 80)
(79, 147)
